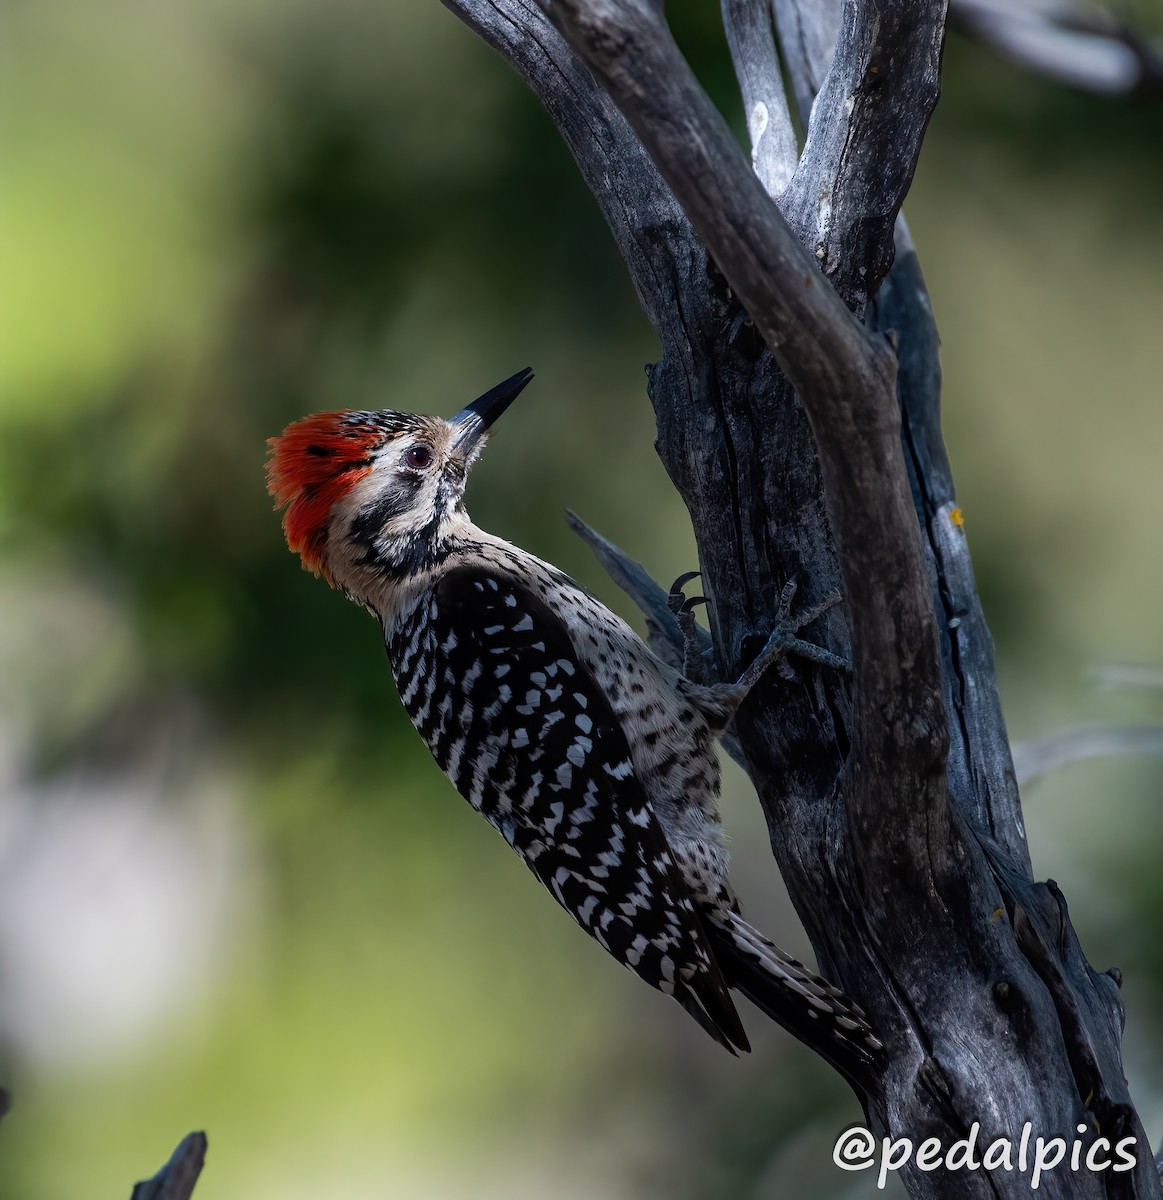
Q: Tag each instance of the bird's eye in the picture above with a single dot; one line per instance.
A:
(418, 457)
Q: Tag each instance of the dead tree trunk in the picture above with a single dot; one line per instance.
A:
(797, 403)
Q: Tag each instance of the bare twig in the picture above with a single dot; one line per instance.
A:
(1129, 675)
(1034, 759)
(1077, 44)
(176, 1180)
(662, 631)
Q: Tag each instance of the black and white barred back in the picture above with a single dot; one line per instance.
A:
(600, 773)
(496, 690)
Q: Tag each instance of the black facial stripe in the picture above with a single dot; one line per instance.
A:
(418, 552)
(395, 503)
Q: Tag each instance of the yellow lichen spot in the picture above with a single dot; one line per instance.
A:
(997, 913)
(957, 517)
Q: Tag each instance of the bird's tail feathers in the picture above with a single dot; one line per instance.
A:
(716, 1013)
(795, 997)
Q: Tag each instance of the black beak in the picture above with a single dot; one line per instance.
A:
(475, 421)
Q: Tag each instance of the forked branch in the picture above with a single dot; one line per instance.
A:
(845, 378)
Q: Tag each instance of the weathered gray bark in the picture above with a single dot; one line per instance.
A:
(797, 404)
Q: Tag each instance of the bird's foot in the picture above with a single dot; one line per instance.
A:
(698, 656)
(785, 641)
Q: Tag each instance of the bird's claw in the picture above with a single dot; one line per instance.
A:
(676, 599)
(697, 661)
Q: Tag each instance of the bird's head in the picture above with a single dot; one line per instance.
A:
(372, 496)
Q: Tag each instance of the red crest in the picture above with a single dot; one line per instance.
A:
(313, 464)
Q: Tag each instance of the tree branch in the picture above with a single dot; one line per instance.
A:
(817, 342)
(176, 1180)
(774, 152)
(1076, 44)
(868, 122)
(807, 37)
(980, 768)
(1129, 675)
(1077, 743)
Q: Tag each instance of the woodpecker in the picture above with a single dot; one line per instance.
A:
(591, 757)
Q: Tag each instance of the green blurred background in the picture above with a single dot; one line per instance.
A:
(235, 894)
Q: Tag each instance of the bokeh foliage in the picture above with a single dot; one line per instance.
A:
(220, 217)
